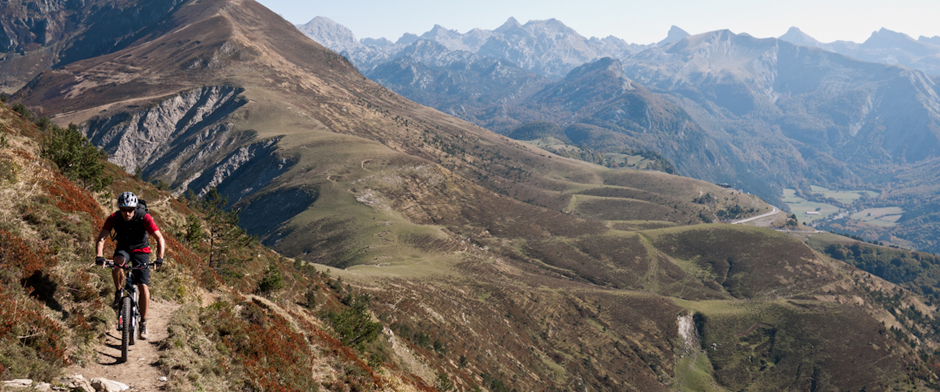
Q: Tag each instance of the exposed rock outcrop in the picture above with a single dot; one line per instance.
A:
(188, 141)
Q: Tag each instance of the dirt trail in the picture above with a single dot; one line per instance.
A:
(140, 372)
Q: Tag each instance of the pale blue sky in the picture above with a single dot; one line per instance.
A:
(640, 22)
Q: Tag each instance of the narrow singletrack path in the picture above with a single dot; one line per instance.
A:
(140, 372)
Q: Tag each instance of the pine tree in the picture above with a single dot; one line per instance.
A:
(222, 225)
(76, 157)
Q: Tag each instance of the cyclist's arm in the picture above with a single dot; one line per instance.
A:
(99, 243)
(161, 243)
(155, 231)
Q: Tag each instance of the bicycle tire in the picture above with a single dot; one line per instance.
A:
(126, 327)
(135, 316)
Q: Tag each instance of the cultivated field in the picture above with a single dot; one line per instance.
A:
(805, 210)
(845, 196)
(885, 216)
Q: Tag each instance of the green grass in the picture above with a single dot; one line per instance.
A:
(844, 196)
(821, 240)
(639, 225)
(801, 206)
(885, 216)
(695, 373)
(732, 307)
(623, 160)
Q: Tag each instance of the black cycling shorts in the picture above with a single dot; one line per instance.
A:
(138, 276)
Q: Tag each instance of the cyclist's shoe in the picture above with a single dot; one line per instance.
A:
(143, 330)
(117, 301)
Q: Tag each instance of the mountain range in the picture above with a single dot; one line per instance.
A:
(884, 46)
(762, 114)
(489, 263)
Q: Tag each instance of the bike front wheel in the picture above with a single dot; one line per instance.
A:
(126, 331)
(135, 319)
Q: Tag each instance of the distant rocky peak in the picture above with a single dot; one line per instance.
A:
(935, 40)
(887, 39)
(797, 37)
(510, 24)
(550, 26)
(330, 34)
(700, 39)
(377, 42)
(439, 30)
(722, 48)
(610, 67)
(422, 48)
(453, 40)
(407, 39)
(555, 23)
(675, 34)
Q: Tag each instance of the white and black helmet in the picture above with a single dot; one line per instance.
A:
(127, 199)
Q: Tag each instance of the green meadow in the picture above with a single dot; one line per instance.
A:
(884, 216)
(845, 197)
(805, 209)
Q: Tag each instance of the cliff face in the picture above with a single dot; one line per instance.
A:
(188, 141)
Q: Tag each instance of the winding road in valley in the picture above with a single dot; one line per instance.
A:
(776, 210)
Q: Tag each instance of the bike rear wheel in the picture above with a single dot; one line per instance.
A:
(126, 331)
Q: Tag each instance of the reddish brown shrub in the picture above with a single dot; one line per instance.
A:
(275, 358)
(337, 348)
(71, 198)
(80, 287)
(22, 325)
(18, 258)
(24, 154)
(182, 254)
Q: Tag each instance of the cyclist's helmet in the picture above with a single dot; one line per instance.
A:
(127, 199)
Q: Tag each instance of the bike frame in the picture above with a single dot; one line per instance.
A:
(129, 312)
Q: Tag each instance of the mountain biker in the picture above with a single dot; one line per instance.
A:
(131, 224)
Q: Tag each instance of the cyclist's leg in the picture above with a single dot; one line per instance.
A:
(142, 280)
(118, 275)
(144, 300)
(119, 258)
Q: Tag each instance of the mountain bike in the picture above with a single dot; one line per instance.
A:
(128, 311)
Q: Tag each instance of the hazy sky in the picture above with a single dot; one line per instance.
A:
(639, 22)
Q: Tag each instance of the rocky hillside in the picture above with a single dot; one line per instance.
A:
(486, 263)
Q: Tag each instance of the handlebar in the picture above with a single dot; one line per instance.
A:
(110, 264)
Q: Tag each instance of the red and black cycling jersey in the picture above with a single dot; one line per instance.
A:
(131, 235)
